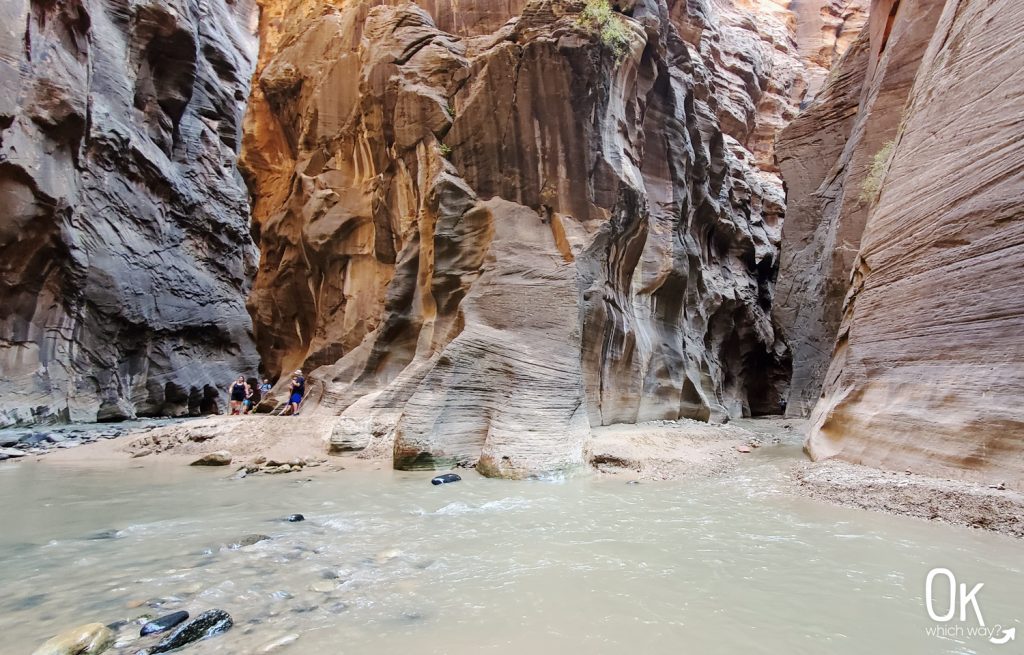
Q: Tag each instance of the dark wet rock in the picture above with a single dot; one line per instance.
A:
(208, 624)
(163, 624)
(445, 479)
(295, 518)
(247, 540)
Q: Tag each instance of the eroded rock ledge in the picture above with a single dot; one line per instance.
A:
(488, 236)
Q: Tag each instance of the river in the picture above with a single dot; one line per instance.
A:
(387, 563)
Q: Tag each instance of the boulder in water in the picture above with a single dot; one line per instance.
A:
(445, 479)
(295, 518)
(163, 624)
(208, 624)
(89, 639)
(219, 458)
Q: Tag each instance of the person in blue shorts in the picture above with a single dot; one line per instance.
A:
(298, 391)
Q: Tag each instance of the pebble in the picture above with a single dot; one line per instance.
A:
(323, 587)
(280, 642)
(163, 624)
(743, 449)
(386, 556)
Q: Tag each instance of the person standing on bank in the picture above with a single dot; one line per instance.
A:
(298, 391)
(237, 393)
(250, 399)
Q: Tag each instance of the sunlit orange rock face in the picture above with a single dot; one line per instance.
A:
(905, 184)
(486, 234)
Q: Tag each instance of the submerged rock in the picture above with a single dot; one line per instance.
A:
(247, 540)
(163, 624)
(295, 518)
(278, 643)
(88, 639)
(208, 624)
(445, 479)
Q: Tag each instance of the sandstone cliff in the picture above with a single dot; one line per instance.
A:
(488, 236)
(916, 211)
(124, 242)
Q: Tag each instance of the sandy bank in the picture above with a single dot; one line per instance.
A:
(950, 501)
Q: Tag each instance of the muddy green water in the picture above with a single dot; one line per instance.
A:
(386, 563)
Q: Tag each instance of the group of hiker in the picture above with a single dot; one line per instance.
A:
(244, 398)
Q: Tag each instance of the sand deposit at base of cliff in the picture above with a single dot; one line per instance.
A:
(669, 450)
(656, 450)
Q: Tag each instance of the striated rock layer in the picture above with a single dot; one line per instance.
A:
(927, 371)
(489, 236)
(124, 241)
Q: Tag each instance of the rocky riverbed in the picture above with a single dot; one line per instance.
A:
(242, 447)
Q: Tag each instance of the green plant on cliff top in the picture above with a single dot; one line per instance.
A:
(610, 26)
(873, 182)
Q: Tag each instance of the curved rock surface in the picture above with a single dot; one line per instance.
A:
(125, 251)
(487, 242)
(831, 157)
(928, 367)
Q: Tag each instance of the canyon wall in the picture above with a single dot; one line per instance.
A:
(914, 219)
(488, 236)
(125, 251)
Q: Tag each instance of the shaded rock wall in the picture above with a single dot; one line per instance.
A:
(124, 242)
(928, 367)
(826, 156)
(488, 237)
